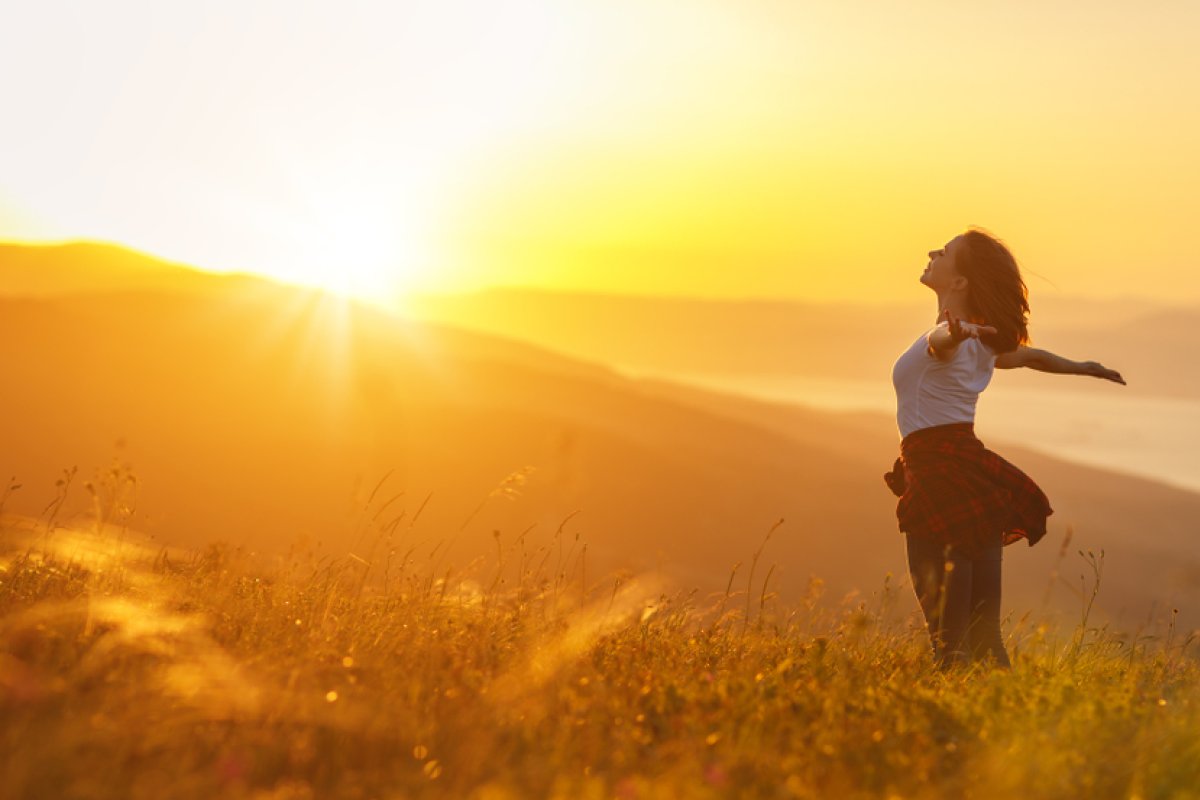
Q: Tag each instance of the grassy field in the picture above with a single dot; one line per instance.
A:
(128, 671)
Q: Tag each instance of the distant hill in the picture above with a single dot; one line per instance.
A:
(265, 413)
(1150, 345)
(44, 270)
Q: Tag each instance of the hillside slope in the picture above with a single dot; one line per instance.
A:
(264, 414)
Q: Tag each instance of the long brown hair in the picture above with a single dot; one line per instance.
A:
(996, 293)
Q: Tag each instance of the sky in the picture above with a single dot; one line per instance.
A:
(796, 149)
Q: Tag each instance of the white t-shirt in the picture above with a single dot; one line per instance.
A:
(932, 392)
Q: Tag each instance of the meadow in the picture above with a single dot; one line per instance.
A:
(128, 669)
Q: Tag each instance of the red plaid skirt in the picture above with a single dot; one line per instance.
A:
(956, 491)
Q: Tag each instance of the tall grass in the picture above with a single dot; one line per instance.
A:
(132, 671)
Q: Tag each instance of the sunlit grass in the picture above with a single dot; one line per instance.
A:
(167, 674)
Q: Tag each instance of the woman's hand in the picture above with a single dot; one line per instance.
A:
(1098, 370)
(960, 330)
(943, 343)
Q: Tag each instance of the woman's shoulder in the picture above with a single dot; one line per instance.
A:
(985, 356)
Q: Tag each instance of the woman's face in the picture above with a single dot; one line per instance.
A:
(941, 274)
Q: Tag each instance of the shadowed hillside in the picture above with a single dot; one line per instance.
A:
(268, 413)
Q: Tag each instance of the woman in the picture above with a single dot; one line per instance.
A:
(960, 503)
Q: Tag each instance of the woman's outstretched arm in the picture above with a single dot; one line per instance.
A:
(1045, 361)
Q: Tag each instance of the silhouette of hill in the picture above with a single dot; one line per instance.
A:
(671, 335)
(42, 270)
(259, 413)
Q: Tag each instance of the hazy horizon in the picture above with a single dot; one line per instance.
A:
(919, 295)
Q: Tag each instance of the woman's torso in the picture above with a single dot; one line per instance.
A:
(932, 392)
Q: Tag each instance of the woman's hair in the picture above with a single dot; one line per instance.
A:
(996, 294)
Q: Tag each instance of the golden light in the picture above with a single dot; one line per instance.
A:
(604, 146)
(348, 226)
(357, 251)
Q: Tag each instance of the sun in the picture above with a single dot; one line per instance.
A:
(365, 252)
(346, 223)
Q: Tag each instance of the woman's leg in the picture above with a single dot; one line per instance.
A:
(985, 637)
(942, 580)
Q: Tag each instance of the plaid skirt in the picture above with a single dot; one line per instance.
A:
(955, 491)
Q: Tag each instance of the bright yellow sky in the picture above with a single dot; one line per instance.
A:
(701, 147)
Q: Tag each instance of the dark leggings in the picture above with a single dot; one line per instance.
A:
(960, 597)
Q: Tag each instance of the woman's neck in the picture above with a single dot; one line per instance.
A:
(955, 303)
